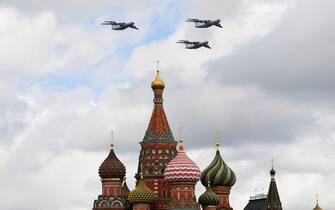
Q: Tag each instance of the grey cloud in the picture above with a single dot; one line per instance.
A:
(13, 115)
(295, 59)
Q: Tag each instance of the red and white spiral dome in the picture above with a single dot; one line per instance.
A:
(182, 168)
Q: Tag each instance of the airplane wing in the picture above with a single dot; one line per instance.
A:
(193, 20)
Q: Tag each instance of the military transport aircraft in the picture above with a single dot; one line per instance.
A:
(119, 26)
(194, 45)
(205, 23)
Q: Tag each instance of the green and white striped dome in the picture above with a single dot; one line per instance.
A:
(218, 173)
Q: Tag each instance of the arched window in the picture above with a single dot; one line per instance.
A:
(104, 203)
(117, 203)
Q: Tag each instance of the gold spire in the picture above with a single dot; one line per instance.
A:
(112, 139)
(157, 83)
(181, 139)
(218, 139)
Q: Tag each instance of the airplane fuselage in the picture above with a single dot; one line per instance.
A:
(197, 45)
(209, 24)
(122, 26)
(193, 47)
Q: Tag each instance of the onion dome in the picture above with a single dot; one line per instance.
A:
(218, 172)
(125, 190)
(181, 167)
(272, 172)
(209, 198)
(317, 207)
(142, 194)
(112, 167)
(157, 83)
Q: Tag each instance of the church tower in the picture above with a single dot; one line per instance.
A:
(273, 199)
(112, 172)
(221, 178)
(157, 148)
(182, 175)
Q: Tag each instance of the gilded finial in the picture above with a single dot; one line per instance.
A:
(272, 171)
(181, 139)
(218, 139)
(112, 139)
(317, 198)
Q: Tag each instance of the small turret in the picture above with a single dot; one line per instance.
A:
(125, 190)
(209, 200)
(223, 174)
(112, 167)
(182, 174)
(273, 199)
(142, 197)
(221, 177)
(112, 171)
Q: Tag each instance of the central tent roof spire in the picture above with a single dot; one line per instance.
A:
(158, 129)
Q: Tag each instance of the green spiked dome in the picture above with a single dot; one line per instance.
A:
(125, 190)
(141, 194)
(209, 198)
(223, 175)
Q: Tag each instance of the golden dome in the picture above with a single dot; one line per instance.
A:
(157, 83)
(142, 194)
(317, 207)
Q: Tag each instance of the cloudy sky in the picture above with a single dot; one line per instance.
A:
(66, 81)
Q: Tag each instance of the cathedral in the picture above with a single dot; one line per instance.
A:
(166, 176)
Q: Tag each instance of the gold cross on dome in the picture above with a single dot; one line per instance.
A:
(112, 139)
